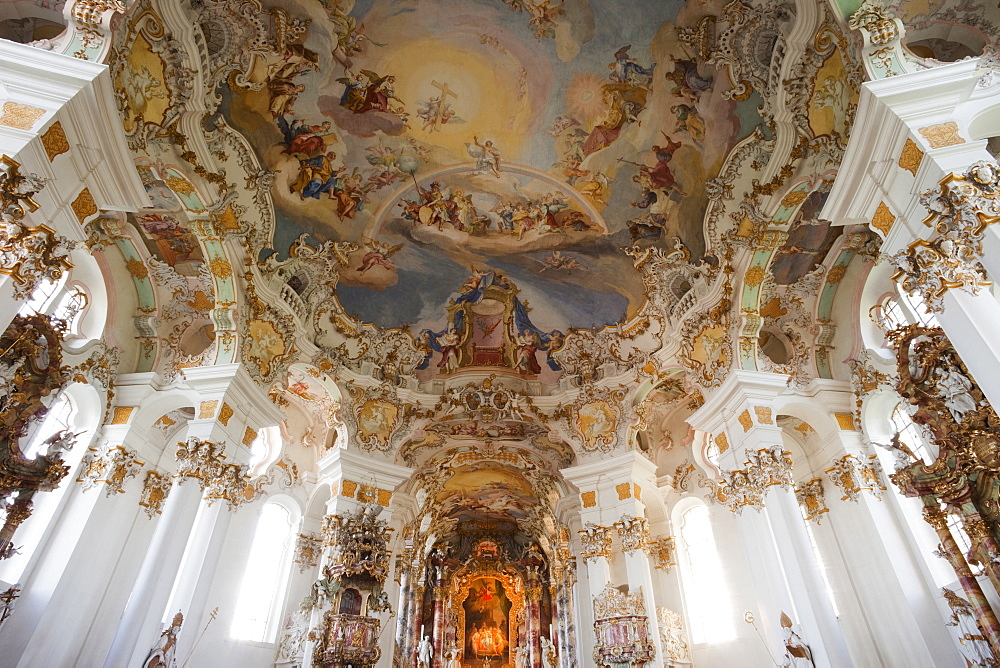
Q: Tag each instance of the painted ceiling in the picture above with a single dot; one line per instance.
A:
(513, 137)
(482, 227)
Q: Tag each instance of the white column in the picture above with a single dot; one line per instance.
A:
(785, 575)
(140, 622)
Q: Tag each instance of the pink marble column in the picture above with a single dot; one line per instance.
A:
(440, 615)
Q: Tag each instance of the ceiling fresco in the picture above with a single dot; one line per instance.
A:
(512, 137)
(487, 491)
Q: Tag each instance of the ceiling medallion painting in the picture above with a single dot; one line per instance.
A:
(444, 138)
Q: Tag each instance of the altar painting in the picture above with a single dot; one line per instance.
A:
(487, 622)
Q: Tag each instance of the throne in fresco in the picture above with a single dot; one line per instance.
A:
(483, 316)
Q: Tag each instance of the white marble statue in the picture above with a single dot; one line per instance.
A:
(425, 653)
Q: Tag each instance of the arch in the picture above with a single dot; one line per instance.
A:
(26, 22)
(87, 273)
(986, 123)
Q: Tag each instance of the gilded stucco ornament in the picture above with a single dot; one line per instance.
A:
(155, 490)
(853, 475)
(748, 487)
(673, 635)
(810, 497)
(375, 417)
(664, 552)
(882, 32)
(111, 466)
(931, 268)
(219, 479)
(675, 287)
(707, 343)
(737, 45)
(962, 206)
(308, 548)
(28, 254)
(597, 416)
(595, 541)
(634, 533)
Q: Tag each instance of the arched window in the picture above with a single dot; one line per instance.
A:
(918, 309)
(42, 297)
(70, 307)
(259, 600)
(706, 597)
(888, 314)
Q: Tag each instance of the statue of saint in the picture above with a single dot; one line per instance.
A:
(162, 654)
(425, 652)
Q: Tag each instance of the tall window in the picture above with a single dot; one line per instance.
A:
(961, 537)
(58, 418)
(910, 434)
(259, 599)
(710, 614)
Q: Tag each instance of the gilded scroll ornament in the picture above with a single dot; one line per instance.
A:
(155, 489)
(54, 141)
(205, 462)
(596, 541)
(876, 20)
(747, 487)
(634, 533)
(673, 636)
(84, 205)
(810, 497)
(963, 205)
(19, 116)
(28, 254)
(931, 268)
(308, 548)
(853, 476)
(942, 134)
(111, 466)
(911, 156)
(883, 219)
(664, 552)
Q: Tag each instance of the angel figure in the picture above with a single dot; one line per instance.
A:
(378, 254)
(487, 157)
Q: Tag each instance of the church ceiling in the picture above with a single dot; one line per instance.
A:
(388, 193)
